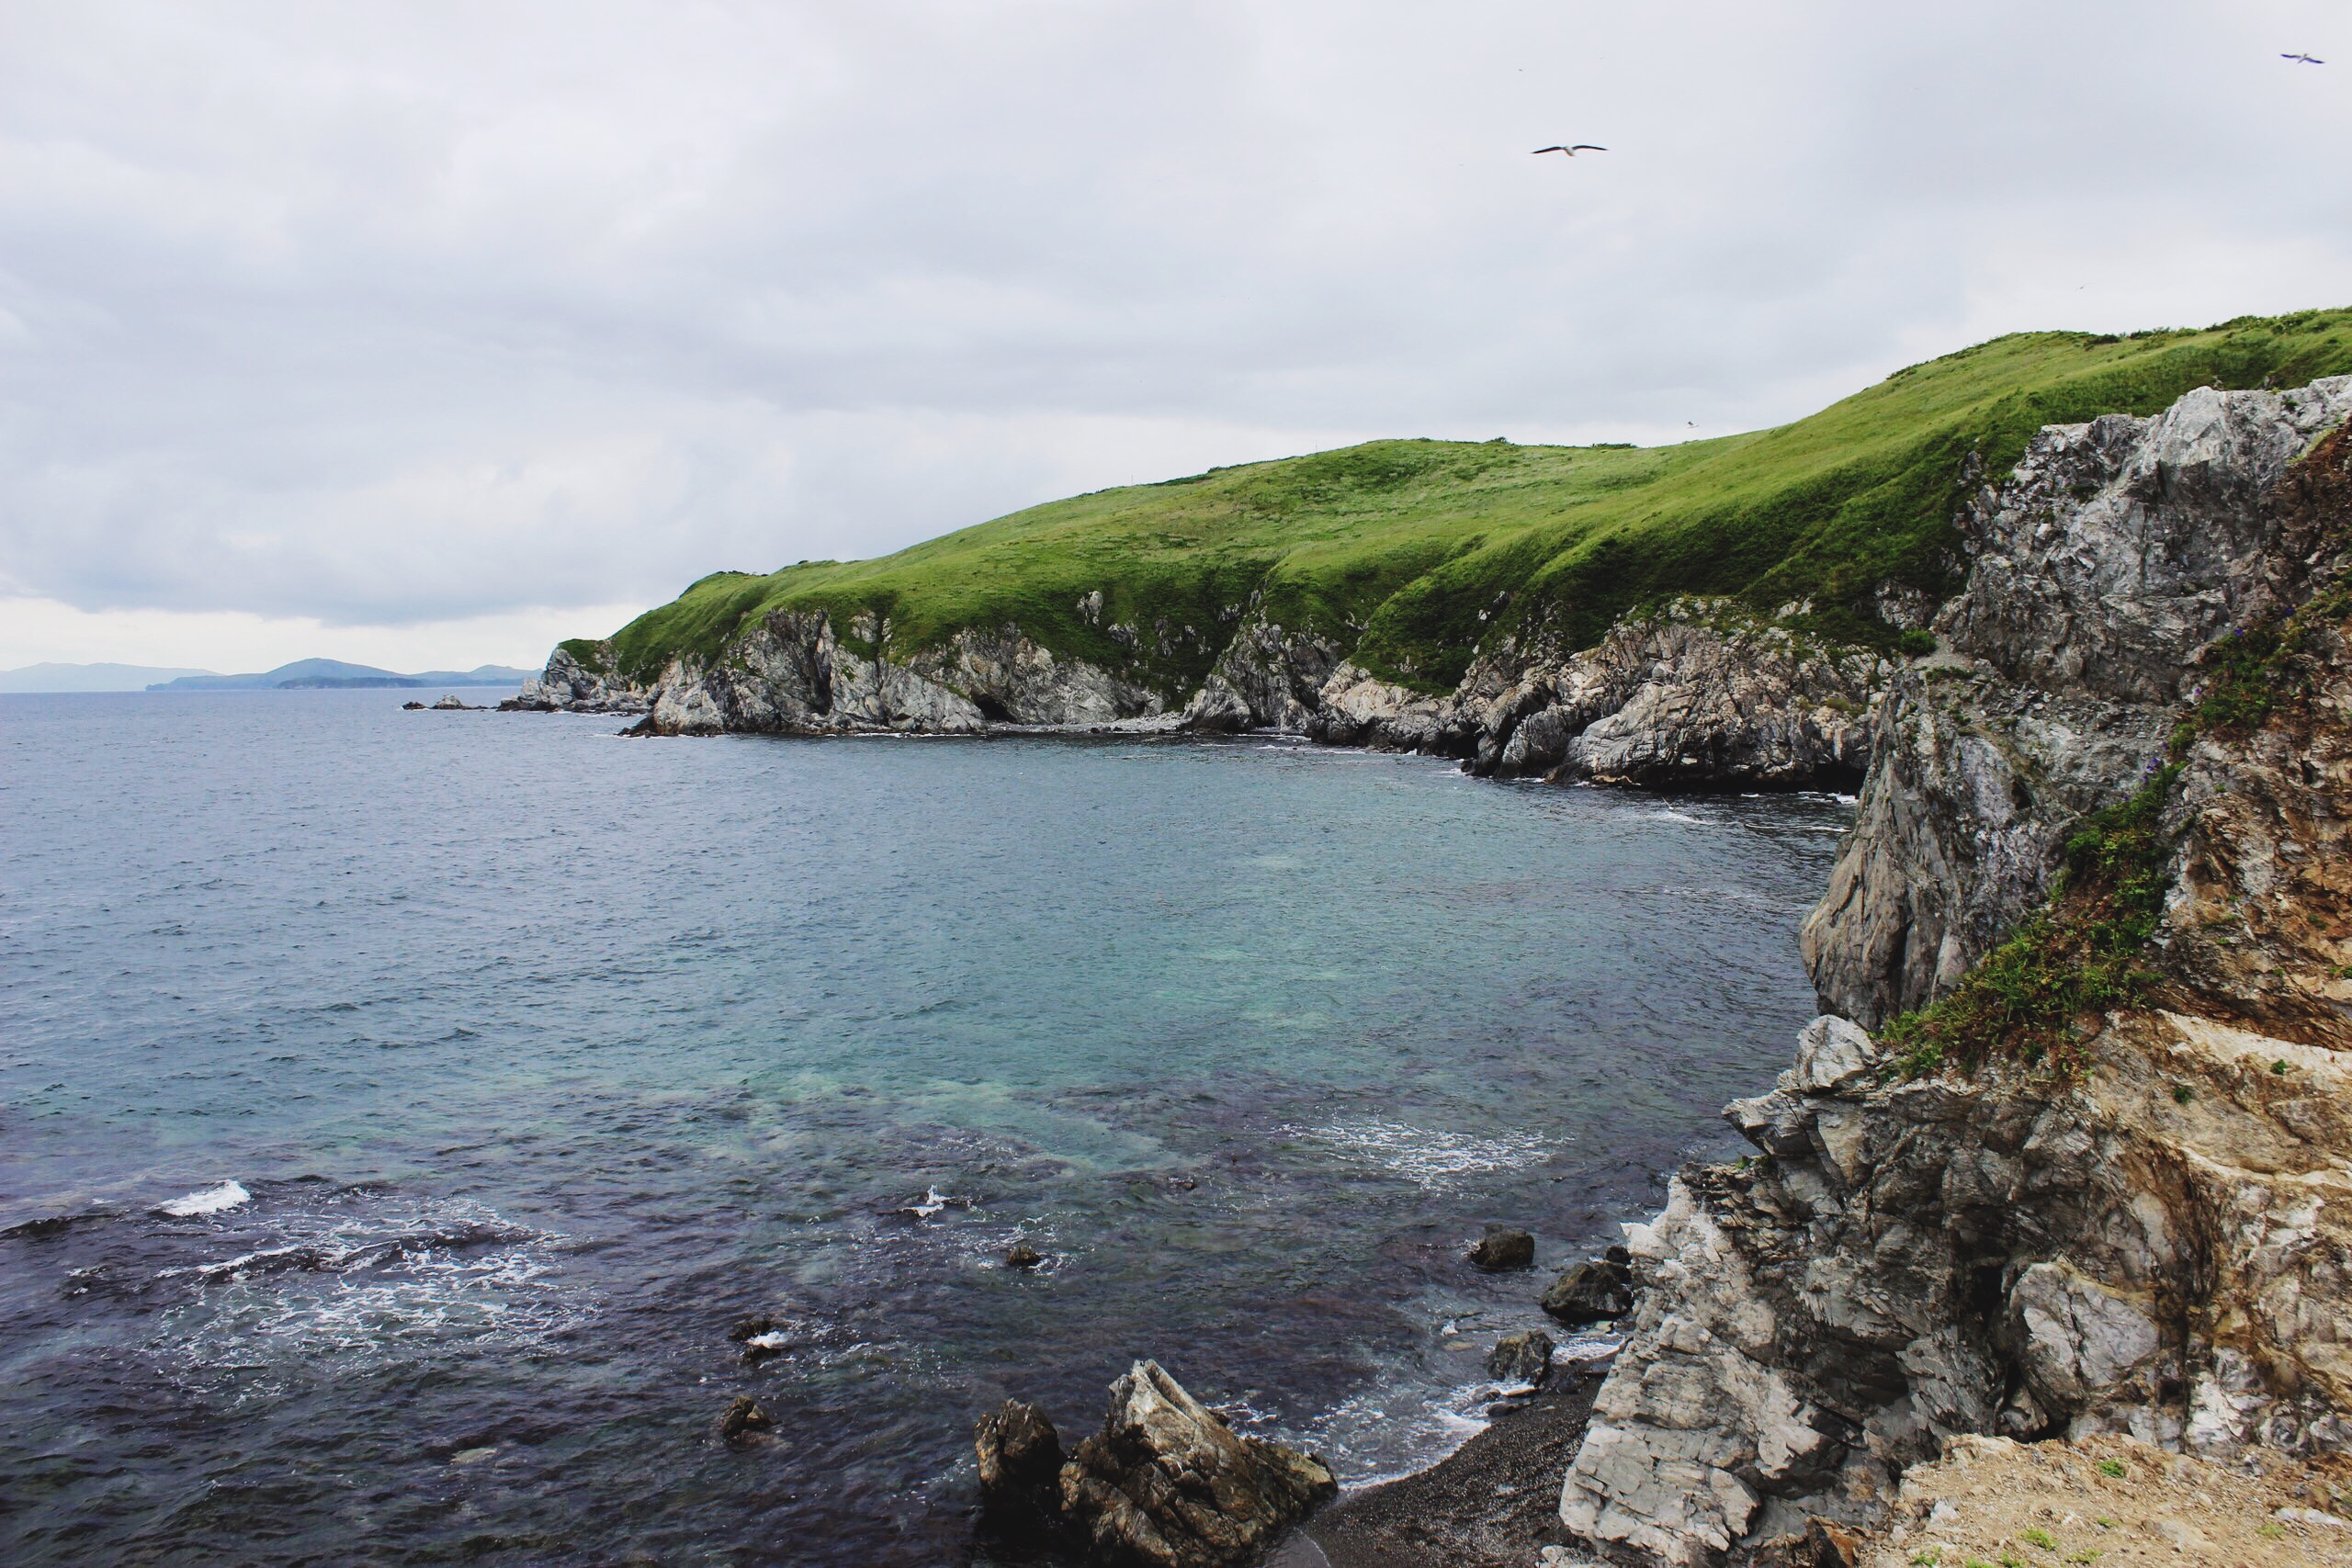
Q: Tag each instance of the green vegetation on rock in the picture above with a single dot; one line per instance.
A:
(1416, 555)
(2035, 999)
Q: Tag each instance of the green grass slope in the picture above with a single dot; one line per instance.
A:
(1418, 553)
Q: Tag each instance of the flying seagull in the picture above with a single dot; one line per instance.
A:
(2304, 58)
(1571, 151)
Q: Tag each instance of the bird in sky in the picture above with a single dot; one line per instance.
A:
(1571, 151)
(2304, 58)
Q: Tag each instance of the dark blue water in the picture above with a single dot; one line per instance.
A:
(539, 1056)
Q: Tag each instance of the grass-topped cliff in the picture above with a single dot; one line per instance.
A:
(1418, 553)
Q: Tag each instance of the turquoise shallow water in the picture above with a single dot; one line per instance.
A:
(539, 1056)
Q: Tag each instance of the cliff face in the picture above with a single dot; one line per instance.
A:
(2116, 552)
(2161, 1244)
(1700, 694)
(793, 674)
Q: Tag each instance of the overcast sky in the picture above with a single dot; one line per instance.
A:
(424, 334)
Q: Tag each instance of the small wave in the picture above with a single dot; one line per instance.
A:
(207, 1200)
(48, 1225)
(1424, 1155)
(931, 1202)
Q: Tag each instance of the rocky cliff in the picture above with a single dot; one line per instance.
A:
(1697, 694)
(2105, 1183)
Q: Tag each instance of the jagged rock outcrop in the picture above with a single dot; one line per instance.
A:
(1916, 1260)
(1165, 1483)
(570, 686)
(2116, 551)
(792, 673)
(1020, 1463)
(1700, 694)
(2161, 1245)
(1358, 708)
(1267, 678)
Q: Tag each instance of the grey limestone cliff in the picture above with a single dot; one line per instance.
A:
(2159, 1244)
(2116, 551)
(1697, 694)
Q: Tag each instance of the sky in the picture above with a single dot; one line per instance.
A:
(424, 334)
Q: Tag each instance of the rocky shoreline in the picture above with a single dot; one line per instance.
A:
(2132, 1218)
(1698, 694)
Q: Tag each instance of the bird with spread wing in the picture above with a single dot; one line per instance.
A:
(1571, 151)
(2304, 58)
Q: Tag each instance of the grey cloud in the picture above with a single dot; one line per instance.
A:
(402, 313)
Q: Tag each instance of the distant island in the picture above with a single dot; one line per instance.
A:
(303, 674)
(89, 677)
(322, 674)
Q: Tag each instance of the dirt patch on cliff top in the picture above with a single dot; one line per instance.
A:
(2112, 1501)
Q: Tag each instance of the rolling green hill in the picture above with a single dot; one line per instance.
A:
(1417, 553)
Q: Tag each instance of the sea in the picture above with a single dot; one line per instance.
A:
(398, 1109)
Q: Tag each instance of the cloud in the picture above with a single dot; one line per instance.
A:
(421, 315)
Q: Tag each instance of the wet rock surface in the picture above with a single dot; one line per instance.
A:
(1521, 1357)
(1164, 1484)
(1020, 1463)
(743, 1420)
(1599, 1290)
(1503, 1248)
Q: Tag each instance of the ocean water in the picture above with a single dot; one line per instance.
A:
(397, 1110)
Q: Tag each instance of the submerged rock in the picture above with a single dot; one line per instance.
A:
(1167, 1484)
(1021, 1469)
(744, 1419)
(1522, 1358)
(1504, 1247)
(751, 1327)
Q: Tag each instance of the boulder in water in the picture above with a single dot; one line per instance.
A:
(1166, 1484)
(1022, 1255)
(744, 1419)
(1524, 1358)
(1593, 1291)
(1504, 1247)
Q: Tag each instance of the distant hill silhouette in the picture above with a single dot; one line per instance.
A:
(313, 674)
(89, 677)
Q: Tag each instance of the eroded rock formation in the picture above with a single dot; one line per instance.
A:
(2159, 1246)
(2117, 550)
(1165, 1483)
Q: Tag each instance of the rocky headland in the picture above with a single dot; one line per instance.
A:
(1698, 692)
(2074, 1155)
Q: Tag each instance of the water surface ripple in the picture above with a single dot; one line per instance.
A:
(398, 1107)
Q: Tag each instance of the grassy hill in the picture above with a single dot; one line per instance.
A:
(1418, 552)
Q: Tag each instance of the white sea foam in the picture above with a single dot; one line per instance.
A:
(1425, 1156)
(933, 1200)
(207, 1200)
(370, 1281)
